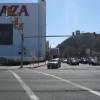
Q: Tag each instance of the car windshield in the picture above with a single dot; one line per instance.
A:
(54, 60)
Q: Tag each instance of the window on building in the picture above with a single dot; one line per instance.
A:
(6, 34)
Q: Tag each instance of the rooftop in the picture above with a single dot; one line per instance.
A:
(18, 1)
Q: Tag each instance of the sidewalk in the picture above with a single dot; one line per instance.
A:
(36, 65)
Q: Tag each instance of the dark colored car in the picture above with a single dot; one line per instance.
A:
(93, 61)
(74, 61)
(54, 63)
(83, 60)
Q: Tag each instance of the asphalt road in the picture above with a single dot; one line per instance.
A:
(66, 83)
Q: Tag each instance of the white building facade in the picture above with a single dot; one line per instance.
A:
(33, 17)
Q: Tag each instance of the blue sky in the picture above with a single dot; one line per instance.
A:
(65, 16)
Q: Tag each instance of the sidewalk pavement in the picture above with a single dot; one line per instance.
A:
(35, 65)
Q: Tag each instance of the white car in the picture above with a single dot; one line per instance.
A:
(54, 63)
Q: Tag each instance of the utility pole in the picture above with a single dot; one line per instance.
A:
(18, 25)
(22, 51)
(20, 28)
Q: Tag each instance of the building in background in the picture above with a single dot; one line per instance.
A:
(32, 17)
(47, 50)
(54, 53)
(47, 46)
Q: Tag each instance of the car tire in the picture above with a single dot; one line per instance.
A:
(49, 67)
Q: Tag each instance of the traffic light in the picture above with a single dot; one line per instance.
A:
(94, 34)
(20, 26)
(9, 11)
(15, 21)
(73, 34)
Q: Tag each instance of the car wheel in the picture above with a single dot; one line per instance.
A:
(49, 67)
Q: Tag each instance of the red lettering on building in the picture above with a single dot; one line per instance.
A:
(16, 10)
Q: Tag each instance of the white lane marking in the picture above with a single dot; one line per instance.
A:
(24, 86)
(72, 83)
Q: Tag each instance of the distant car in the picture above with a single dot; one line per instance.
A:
(93, 61)
(68, 60)
(74, 61)
(54, 64)
(84, 60)
(65, 60)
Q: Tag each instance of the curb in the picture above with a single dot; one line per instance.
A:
(24, 66)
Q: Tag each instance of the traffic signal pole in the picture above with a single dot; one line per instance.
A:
(17, 24)
(22, 52)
